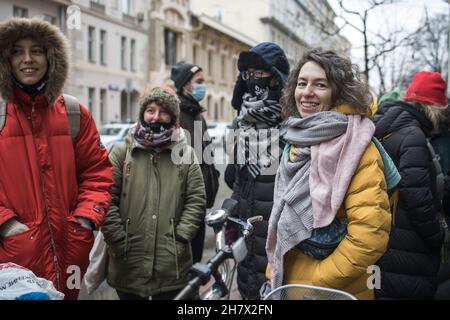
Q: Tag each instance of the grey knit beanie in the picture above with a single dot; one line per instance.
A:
(162, 98)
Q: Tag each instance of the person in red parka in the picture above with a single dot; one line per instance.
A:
(53, 192)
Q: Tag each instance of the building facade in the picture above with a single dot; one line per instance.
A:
(109, 58)
(295, 25)
(121, 47)
(178, 34)
(216, 47)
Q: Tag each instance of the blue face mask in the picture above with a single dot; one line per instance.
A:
(199, 91)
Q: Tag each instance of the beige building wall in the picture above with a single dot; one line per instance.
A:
(241, 15)
(292, 24)
(216, 47)
(200, 40)
(169, 34)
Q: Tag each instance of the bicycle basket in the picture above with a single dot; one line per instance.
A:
(305, 292)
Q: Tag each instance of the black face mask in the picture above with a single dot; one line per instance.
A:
(258, 87)
(158, 127)
(32, 89)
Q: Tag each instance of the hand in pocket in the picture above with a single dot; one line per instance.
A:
(11, 228)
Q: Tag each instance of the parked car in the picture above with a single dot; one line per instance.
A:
(113, 132)
(218, 131)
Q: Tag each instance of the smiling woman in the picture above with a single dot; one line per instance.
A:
(313, 92)
(330, 188)
(28, 61)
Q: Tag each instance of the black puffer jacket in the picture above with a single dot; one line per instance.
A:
(255, 198)
(410, 265)
(190, 112)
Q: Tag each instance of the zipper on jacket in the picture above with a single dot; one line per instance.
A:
(175, 245)
(52, 240)
(127, 223)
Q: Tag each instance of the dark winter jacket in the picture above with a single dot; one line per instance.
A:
(190, 113)
(154, 201)
(410, 265)
(255, 198)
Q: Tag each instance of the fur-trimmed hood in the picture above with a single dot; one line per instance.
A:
(50, 37)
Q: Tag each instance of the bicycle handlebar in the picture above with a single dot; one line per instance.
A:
(198, 281)
(217, 219)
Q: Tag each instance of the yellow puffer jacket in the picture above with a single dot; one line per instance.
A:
(366, 206)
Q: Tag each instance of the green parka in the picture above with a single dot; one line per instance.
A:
(153, 199)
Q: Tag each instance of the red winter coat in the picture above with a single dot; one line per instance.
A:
(45, 183)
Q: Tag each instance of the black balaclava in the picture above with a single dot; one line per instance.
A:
(259, 87)
(158, 127)
(32, 89)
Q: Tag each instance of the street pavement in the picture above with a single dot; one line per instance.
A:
(105, 292)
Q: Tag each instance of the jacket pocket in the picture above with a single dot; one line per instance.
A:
(181, 254)
(79, 242)
(23, 248)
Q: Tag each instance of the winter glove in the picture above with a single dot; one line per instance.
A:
(240, 88)
(265, 289)
(85, 223)
(181, 239)
(12, 227)
(231, 235)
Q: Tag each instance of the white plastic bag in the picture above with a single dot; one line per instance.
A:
(98, 258)
(19, 283)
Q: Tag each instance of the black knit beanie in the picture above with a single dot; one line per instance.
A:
(182, 72)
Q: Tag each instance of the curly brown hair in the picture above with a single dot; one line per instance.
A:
(343, 77)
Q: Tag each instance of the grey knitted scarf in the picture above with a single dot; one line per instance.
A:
(291, 219)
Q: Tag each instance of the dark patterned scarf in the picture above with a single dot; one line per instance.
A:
(150, 138)
(254, 117)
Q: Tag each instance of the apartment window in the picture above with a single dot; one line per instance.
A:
(91, 99)
(223, 67)
(103, 105)
(91, 44)
(103, 47)
(123, 52)
(222, 108)
(49, 19)
(216, 111)
(114, 4)
(20, 12)
(126, 6)
(210, 63)
(98, 6)
(170, 44)
(133, 55)
(195, 55)
(209, 107)
(234, 66)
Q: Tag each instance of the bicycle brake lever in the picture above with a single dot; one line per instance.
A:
(254, 219)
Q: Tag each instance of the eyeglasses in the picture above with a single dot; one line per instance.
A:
(257, 74)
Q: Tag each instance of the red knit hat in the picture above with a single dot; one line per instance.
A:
(427, 88)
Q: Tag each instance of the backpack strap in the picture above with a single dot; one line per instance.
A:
(2, 115)
(73, 115)
(437, 176)
(393, 202)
